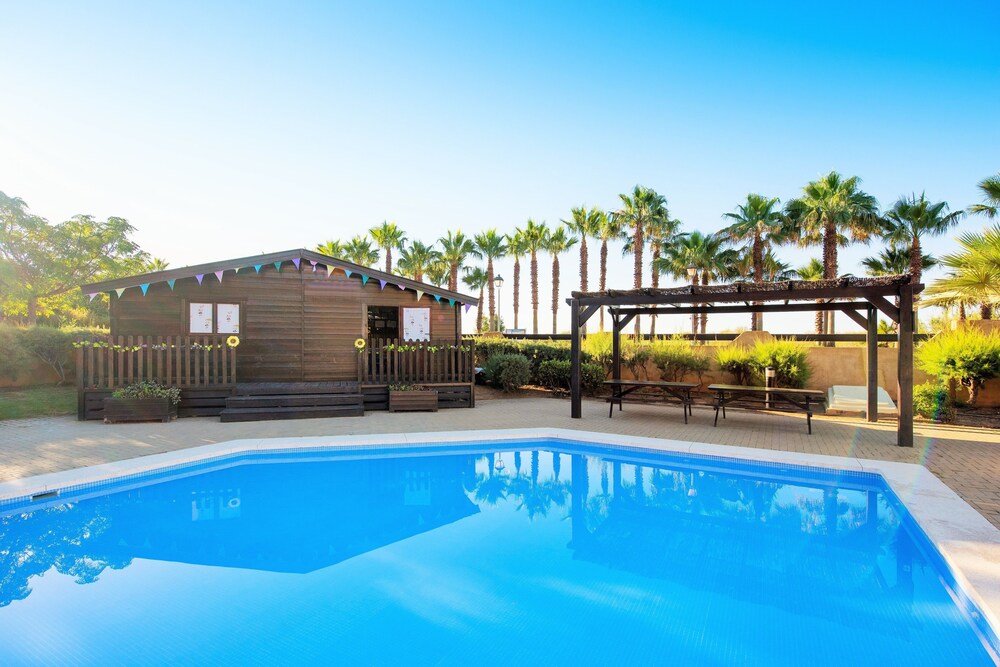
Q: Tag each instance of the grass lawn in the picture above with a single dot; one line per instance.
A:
(37, 402)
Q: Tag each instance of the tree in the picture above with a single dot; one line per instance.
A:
(704, 254)
(640, 209)
(388, 237)
(332, 248)
(559, 242)
(359, 250)
(156, 264)
(50, 260)
(610, 229)
(974, 273)
(438, 273)
(991, 195)
(491, 245)
(476, 279)
(813, 271)
(516, 248)
(585, 224)
(758, 225)
(661, 231)
(909, 220)
(536, 237)
(894, 261)
(455, 248)
(833, 211)
(416, 259)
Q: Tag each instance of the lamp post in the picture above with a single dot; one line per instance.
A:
(693, 275)
(498, 283)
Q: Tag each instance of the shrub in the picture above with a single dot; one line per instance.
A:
(598, 347)
(554, 374)
(15, 359)
(591, 377)
(738, 362)
(933, 401)
(507, 371)
(676, 358)
(148, 390)
(787, 358)
(536, 352)
(966, 355)
(635, 355)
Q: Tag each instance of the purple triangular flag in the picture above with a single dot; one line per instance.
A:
(144, 287)
(382, 283)
(313, 262)
(403, 287)
(467, 306)
(200, 277)
(218, 274)
(296, 262)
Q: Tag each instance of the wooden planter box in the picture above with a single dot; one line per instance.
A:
(409, 401)
(138, 410)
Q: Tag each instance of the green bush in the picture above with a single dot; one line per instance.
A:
(677, 358)
(148, 390)
(14, 359)
(598, 347)
(933, 401)
(738, 362)
(965, 355)
(536, 352)
(507, 371)
(591, 377)
(787, 358)
(22, 346)
(555, 374)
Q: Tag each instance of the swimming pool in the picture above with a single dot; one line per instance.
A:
(521, 551)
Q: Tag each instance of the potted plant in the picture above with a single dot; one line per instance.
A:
(142, 401)
(412, 397)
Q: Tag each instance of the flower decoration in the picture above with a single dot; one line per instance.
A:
(360, 344)
(233, 341)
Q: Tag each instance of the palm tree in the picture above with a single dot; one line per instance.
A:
(491, 245)
(813, 271)
(332, 248)
(360, 251)
(910, 219)
(156, 264)
(388, 236)
(476, 279)
(559, 242)
(974, 275)
(638, 211)
(833, 211)
(455, 248)
(416, 259)
(438, 273)
(516, 248)
(893, 262)
(759, 226)
(991, 195)
(585, 224)
(536, 237)
(704, 254)
(661, 231)
(610, 229)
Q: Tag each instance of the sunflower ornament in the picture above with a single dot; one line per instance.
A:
(233, 341)
(360, 344)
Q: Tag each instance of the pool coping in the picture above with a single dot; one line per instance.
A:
(968, 543)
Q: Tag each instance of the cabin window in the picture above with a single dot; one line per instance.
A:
(383, 322)
(208, 318)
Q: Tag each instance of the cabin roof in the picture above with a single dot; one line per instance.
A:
(271, 258)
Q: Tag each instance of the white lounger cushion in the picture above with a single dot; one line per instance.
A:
(851, 398)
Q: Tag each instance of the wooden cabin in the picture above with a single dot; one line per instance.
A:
(270, 330)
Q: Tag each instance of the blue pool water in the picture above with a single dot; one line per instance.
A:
(542, 552)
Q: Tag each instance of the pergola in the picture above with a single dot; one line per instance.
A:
(858, 298)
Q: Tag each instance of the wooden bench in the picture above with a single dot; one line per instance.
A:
(781, 399)
(681, 391)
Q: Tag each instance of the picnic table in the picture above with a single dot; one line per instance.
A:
(681, 391)
(782, 399)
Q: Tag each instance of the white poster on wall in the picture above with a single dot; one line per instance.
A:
(416, 323)
(229, 318)
(201, 318)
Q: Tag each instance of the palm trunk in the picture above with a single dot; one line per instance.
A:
(638, 245)
(517, 287)
(694, 318)
(555, 291)
(492, 322)
(388, 260)
(757, 319)
(479, 313)
(829, 263)
(704, 316)
(961, 311)
(534, 292)
(820, 322)
(986, 311)
(453, 277)
(604, 273)
(654, 282)
(583, 273)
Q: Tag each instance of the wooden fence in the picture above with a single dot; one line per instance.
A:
(178, 361)
(428, 362)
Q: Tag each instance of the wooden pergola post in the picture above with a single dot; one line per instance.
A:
(872, 343)
(576, 411)
(616, 347)
(904, 370)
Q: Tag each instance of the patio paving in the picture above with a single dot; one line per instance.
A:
(966, 459)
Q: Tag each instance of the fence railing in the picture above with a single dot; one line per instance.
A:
(385, 361)
(727, 337)
(178, 361)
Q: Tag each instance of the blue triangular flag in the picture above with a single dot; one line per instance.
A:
(437, 297)
(451, 302)
(277, 265)
(171, 282)
(348, 272)
(144, 287)
(256, 267)
(364, 279)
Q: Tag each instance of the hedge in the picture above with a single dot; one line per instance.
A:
(24, 346)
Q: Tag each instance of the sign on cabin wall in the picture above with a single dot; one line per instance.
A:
(229, 318)
(201, 318)
(416, 323)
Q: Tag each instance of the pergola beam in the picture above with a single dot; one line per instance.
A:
(759, 308)
(859, 319)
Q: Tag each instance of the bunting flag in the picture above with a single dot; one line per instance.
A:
(296, 262)
(144, 287)
(256, 267)
(200, 277)
(451, 302)
(92, 295)
(382, 283)
(420, 293)
(329, 270)
(171, 283)
(437, 297)
(348, 272)
(218, 274)
(402, 287)
(120, 291)
(364, 279)
(237, 269)
(467, 306)
(277, 265)
(313, 262)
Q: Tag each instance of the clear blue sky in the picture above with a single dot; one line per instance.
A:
(227, 130)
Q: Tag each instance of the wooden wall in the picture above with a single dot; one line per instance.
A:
(297, 325)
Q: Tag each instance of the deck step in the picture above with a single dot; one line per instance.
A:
(293, 400)
(299, 412)
(288, 388)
